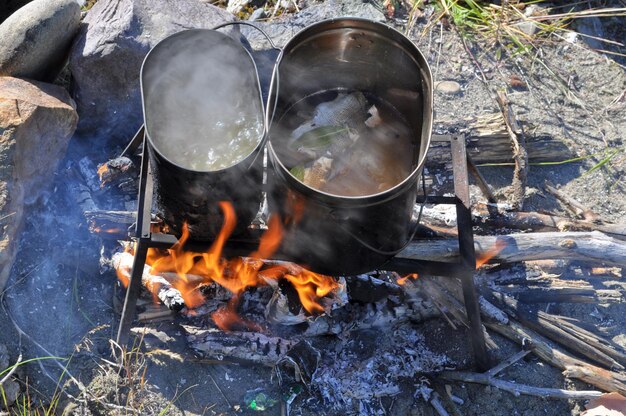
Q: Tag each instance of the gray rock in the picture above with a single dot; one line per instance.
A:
(36, 39)
(285, 27)
(107, 55)
(36, 123)
(448, 87)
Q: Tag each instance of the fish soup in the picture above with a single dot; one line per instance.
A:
(345, 143)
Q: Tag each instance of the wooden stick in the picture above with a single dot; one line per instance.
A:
(159, 285)
(480, 180)
(572, 367)
(542, 323)
(593, 247)
(507, 363)
(562, 294)
(520, 155)
(516, 389)
(573, 205)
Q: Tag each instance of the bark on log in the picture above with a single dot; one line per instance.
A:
(249, 346)
(488, 141)
(592, 246)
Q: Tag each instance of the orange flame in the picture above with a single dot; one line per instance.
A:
(490, 253)
(402, 280)
(194, 270)
(102, 170)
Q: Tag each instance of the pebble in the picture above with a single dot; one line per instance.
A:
(448, 87)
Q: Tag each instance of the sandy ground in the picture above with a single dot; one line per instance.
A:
(61, 301)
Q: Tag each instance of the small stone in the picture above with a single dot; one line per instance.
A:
(37, 38)
(448, 87)
(11, 391)
(528, 27)
(257, 14)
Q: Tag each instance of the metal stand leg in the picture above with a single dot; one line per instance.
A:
(132, 292)
(144, 239)
(466, 249)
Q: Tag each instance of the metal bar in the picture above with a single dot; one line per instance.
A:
(436, 199)
(142, 232)
(135, 142)
(466, 250)
(144, 200)
(403, 265)
(132, 292)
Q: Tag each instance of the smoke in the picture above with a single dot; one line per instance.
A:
(202, 102)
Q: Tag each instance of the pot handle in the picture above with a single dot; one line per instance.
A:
(269, 40)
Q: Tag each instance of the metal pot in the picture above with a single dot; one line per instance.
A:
(189, 82)
(336, 234)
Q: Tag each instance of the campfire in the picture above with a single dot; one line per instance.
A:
(186, 273)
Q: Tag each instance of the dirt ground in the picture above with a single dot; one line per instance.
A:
(65, 307)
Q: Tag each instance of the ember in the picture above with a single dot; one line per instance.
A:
(235, 275)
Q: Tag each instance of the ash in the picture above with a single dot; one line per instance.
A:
(371, 366)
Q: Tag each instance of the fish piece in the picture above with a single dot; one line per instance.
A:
(336, 144)
(374, 117)
(316, 175)
(346, 110)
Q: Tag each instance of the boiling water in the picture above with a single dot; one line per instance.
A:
(205, 115)
(380, 158)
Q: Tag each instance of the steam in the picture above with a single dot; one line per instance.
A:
(202, 103)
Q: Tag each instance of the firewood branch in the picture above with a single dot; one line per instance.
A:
(516, 389)
(594, 247)
(520, 155)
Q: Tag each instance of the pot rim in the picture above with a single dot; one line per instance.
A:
(254, 153)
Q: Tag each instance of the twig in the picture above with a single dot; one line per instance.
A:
(508, 362)
(10, 373)
(520, 155)
(436, 404)
(576, 207)
(230, 406)
(480, 180)
(516, 389)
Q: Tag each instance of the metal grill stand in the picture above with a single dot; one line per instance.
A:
(464, 269)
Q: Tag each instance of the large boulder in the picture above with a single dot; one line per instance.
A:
(107, 55)
(36, 39)
(36, 123)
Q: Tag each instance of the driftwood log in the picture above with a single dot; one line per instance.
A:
(594, 247)
(488, 141)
